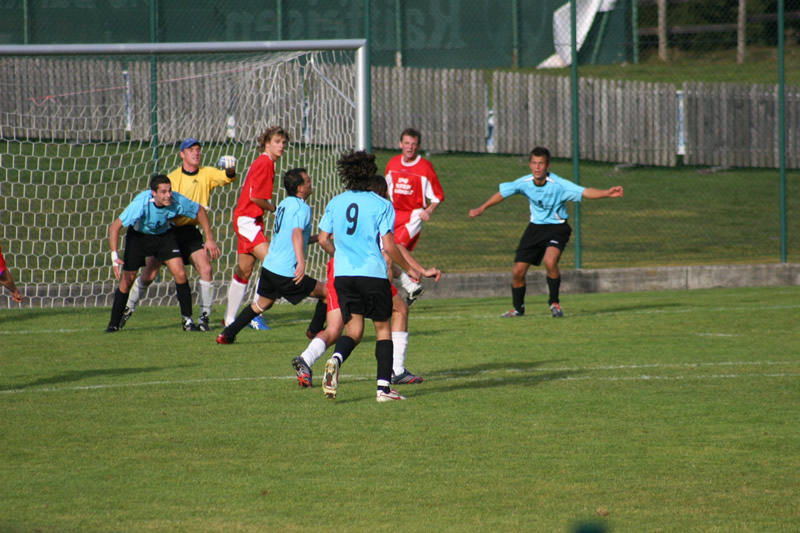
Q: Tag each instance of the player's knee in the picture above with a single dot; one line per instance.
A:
(242, 275)
(205, 273)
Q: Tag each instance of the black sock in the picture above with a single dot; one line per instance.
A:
(318, 320)
(118, 307)
(384, 351)
(518, 298)
(553, 285)
(184, 298)
(344, 347)
(245, 316)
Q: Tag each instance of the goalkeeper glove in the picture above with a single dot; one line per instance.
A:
(226, 161)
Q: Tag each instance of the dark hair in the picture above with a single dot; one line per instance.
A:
(293, 179)
(540, 151)
(267, 136)
(411, 132)
(356, 170)
(158, 179)
(378, 185)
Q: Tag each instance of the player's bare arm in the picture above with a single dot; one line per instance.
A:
(325, 240)
(210, 244)
(264, 204)
(113, 241)
(495, 199)
(7, 281)
(434, 273)
(392, 250)
(613, 192)
(426, 213)
(297, 244)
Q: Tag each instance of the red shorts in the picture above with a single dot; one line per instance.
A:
(407, 228)
(333, 298)
(249, 233)
(2, 261)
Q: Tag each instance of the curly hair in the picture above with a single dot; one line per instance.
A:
(356, 170)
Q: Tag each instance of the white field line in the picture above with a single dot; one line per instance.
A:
(468, 375)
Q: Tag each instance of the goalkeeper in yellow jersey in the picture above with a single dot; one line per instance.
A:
(195, 182)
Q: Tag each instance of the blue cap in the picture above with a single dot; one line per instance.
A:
(188, 143)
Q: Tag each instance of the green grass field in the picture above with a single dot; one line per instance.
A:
(659, 411)
(668, 217)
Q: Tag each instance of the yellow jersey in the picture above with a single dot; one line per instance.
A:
(197, 187)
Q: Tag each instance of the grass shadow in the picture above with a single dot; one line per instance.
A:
(524, 372)
(72, 376)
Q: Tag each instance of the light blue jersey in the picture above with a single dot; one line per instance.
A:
(147, 218)
(358, 220)
(291, 213)
(547, 201)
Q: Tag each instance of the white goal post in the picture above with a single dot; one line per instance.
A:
(83, 127)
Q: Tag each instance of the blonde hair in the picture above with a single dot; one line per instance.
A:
(267, 136)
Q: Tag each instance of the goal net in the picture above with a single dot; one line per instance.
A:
(82, 129)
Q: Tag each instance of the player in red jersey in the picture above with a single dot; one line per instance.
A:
(248, 217)
(415, 192)
(7, 280)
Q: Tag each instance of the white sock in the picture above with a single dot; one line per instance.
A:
(407, 283)
(316, 349)
(138, 289)
(206, 296)
(400, 341)
(236, 292)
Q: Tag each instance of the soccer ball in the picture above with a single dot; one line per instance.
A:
(226, 162)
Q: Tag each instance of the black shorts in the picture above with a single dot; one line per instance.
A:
(274, 287)
(139, 246)
(361, 295)
(189, 240)
(538, 238)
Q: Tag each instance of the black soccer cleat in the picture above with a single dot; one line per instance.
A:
(202, 323)
(125, 316)
(303, 372)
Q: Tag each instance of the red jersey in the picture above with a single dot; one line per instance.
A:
(412, 185)
(257, 184)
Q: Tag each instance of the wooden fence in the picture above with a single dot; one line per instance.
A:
(736, 125)
(620, 121)
(449, 107)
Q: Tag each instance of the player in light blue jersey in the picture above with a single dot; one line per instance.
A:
(283, 274)
(548, 231)
(149, 221)
(359, 221)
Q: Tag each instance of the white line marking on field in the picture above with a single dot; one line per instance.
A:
(467, 375)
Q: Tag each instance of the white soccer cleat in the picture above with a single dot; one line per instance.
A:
(330, 383)
(390, 396)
